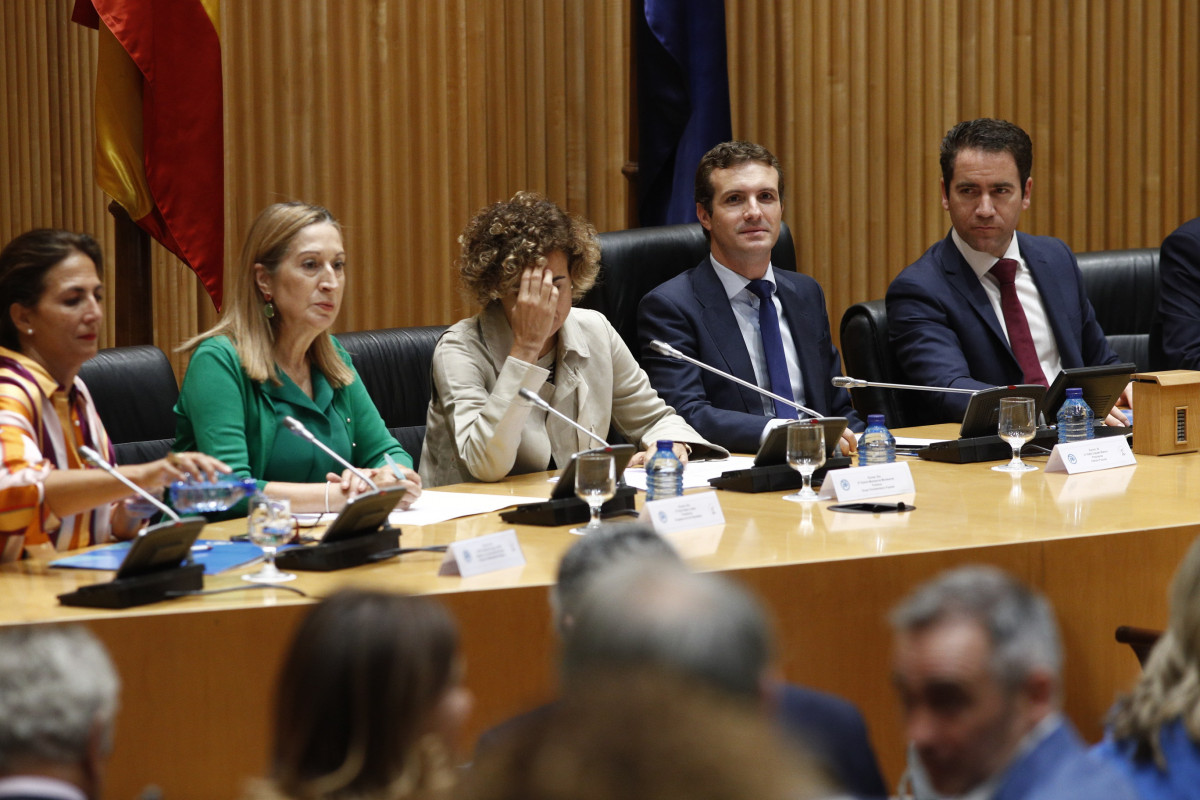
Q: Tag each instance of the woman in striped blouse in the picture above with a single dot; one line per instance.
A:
(50, 319)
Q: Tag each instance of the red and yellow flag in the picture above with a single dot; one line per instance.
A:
(159, 137)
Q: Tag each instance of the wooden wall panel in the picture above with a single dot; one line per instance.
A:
(855, 96)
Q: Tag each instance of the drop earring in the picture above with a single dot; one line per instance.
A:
(268, 308)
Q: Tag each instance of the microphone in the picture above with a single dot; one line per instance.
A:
(95, 458)
(666, 350)
(859, 383)
(297, 427)
(540, 403)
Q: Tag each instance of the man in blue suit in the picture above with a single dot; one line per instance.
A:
(977, 662)
(714, 313)
(700, 626)
(1179, 298)
(987, 306)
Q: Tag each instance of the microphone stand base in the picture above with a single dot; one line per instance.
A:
(138, 590)
(342, 554)
(568, 510)
(775, 478)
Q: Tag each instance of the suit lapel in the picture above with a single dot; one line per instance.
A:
(805, 335)
(1053, 299)
(722, 326)
(964, 280)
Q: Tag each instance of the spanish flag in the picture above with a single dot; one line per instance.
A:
(159, 138)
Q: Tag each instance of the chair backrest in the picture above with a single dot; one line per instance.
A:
(867, 354)
(1122, 286)
(635, 261)
(135, 390)
(394, 365)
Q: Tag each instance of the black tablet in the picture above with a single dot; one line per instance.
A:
(161, 547)
(774, 449)
(1102, 387)
(983, 409)
(364, 514)
(566, 479)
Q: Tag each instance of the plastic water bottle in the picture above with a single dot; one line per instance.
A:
(205, 497)
(876, 445)
(664, 472)
(1076, 422)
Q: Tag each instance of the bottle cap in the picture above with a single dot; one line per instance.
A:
(1074, 391)
(875, 419)
(665, 444)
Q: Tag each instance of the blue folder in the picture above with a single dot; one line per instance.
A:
(217, 555)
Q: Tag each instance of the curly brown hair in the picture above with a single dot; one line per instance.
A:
(503, 239)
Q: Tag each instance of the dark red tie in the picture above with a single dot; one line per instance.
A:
(1019, 337)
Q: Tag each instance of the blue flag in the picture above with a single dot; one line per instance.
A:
(683, 102)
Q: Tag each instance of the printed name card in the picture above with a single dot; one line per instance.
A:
(1091, 455)
(685, 512)
(864, 483)
(483, 554)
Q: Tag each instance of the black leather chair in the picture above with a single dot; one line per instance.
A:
(632, 262)
(134, 389)
(394, 365)
(1123, 288)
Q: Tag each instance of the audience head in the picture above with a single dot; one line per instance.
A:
(976, 662)
(369, 700)
(646, 734)
(50, 293)
(1169, 688)
(292, 252)
(725, 156)
(58, 699)
(989, 136)
(503, 239)
(658, 614)
(592, 555)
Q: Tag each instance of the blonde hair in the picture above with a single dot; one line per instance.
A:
(251, 332)
(1169, 688)
(503, 239)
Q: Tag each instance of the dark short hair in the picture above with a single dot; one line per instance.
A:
(724, 156)
(24, 263)
(991, 136)
(364, 672)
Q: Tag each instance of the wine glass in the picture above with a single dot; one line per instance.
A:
(595, 484)
(270, 525)
(1018, 421)
(805, 452)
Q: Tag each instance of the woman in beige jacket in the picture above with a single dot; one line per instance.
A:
(525, 261)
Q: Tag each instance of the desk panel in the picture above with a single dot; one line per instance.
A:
(198, 671)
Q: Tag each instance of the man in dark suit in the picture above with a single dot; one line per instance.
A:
(987, 306)
(715, 313)
(977, 663)
(1179, 299)
(58, 698)
(707, 629)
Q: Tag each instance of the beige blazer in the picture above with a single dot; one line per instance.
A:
(480, 429)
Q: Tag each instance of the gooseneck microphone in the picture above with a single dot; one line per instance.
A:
(859, 383)
(95, 458)
(542, 404)
(666, 350)
(297, 427)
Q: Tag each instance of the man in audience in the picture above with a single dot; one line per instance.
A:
(1179, 298)
(58, 698)
(977, 663)
(639, 612)
(987, 306)
(715, 313)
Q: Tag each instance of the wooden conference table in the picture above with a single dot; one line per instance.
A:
(198, 673)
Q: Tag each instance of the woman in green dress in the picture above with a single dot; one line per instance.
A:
(271, 356)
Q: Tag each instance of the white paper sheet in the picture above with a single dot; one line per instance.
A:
(437, 506)
(696, 473)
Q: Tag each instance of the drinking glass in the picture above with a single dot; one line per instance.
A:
(595, 484)
(270, 525)
(1018, 422)
(805, 452)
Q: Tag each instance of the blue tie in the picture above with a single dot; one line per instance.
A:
(768, 328)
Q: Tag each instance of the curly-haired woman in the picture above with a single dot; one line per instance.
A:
(525, 261)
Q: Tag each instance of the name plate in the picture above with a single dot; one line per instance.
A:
(685, 512)
(864, 483)
(1091, 455)
(483, 554)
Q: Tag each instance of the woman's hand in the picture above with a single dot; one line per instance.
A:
(640, 459)
(531, 314)
(350, 485)
(154, 475)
